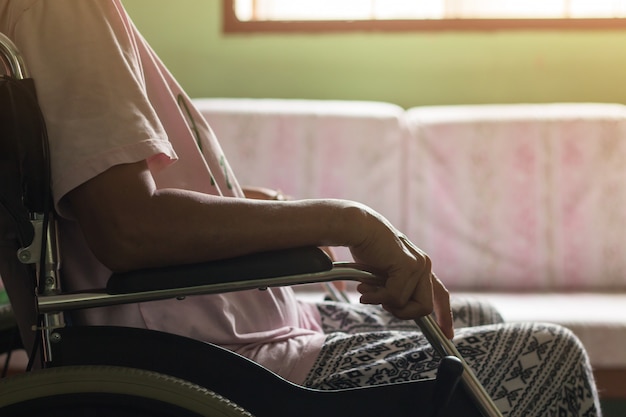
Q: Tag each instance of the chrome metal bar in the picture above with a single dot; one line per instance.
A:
(12, 58)
(66, 302)
(334, 293)
(445, 347)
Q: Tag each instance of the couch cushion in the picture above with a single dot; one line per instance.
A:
(599, 320)
(529, 197)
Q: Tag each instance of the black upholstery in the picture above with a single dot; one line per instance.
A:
(249, 267)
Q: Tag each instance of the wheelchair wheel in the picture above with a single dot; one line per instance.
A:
(105, 391)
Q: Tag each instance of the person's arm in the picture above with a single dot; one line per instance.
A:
(130, 224)
(265, 193)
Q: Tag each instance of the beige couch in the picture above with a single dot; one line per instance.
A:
(524, 205)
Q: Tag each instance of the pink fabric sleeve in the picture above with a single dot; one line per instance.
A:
(102, 68)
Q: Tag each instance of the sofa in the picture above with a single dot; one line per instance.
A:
(520, 204)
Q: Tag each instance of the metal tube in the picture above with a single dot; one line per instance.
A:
(12, 58)
(445, 347)
(66, 302)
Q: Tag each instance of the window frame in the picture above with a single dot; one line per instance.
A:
(231, 24)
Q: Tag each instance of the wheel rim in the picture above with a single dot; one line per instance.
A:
(69, 385)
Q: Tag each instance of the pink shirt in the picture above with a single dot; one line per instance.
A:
(108, 100)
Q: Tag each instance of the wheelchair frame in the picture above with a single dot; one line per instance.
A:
(297, 266)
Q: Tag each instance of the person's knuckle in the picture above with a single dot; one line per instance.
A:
(428, 263)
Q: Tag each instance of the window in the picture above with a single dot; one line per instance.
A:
(314, 15)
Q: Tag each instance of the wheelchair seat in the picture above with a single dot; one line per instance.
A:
(73, 358)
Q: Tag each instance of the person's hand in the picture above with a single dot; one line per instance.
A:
(442, 309)
(411, 290)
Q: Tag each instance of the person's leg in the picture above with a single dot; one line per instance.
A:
(470, 312)
(528, 369)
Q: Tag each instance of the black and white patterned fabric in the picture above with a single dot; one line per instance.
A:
(530, 369)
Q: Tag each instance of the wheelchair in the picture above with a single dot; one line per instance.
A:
(107, 370)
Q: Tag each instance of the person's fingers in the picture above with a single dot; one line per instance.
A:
(420, 302)
(408, 294)
(442, 308)
(369, 293)
(440, 297)
(422, 290)
(404, 288)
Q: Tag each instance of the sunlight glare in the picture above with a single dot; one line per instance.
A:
(247, 10)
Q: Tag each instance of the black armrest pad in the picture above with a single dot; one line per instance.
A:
(250, 267)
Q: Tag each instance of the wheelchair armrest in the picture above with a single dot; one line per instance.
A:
(256, 266)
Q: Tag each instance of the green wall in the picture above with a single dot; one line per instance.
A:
(409, 69)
